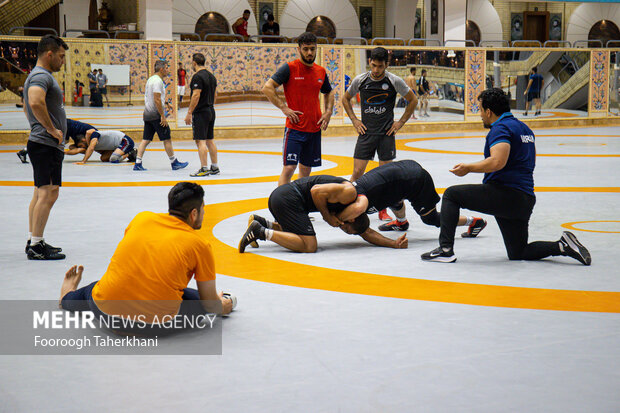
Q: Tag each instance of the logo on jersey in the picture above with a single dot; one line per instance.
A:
(384, 86)
(291, 157)
(378, 99)
(299, 78)
(375, 110)
(527, 138)
(320, 80)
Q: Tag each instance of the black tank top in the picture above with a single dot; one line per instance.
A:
(388, 184)
(304, 185)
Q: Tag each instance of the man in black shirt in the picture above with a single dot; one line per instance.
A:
(271, 28)
(290, 204)
(201, 114)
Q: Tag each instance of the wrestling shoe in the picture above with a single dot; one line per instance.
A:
(395, 226)
(572, 248)
(384, 216)
(178, 164)
(131, 156)
(261, 221)
(23, 155)
(214, 171)
(474, 228)
(48, 246)
(254, 232)
(439, 255)
(204, 171)
(41, 251)
(139, 167)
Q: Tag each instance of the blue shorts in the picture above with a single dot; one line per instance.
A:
(301, 147)
(126, 144)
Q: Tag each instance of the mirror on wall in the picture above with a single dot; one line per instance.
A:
(559, 86)
(614, 83)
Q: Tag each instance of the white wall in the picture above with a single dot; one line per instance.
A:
(76, 12)
(185, 13)
(485, 16)
(584, 17)
(427, 21)
(298, 13)
(400, 13)
(156, 19)
(455, 20)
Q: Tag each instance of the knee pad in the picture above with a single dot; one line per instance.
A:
(432, 218)
(114, 158)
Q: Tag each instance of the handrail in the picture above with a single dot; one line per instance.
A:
(556, 41)
(46, 29)
(425, 40)
(503, 42)
(445, 43)
(116, 32)
(187, 34)
(526, 41)
(261, 37)
(587, 42)
(611, 41)
(362, 39)
(83, 31)
(388, 38)
(236, 36)
(13, 64)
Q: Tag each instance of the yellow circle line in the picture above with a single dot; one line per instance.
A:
(402, 145)
(571, 225)
(266, 269)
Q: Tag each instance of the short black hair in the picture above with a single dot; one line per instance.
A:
(270, 17)
(423, 71)
(199, 58)
(50, 42)
(246, 11)
(379, 54)
(183, 198)
(496, 100)
(412, 70)
(360, 224)
(306, 38)
(535, 69)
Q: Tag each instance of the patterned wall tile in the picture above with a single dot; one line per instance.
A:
(333, 62)
(599, 81)
(136, 56)
(166, 52)
(474, 80)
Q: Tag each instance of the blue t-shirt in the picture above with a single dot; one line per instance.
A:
(536, 82)
(519, 169)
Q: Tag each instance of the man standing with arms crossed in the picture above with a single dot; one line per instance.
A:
(155, 118)
(201, 114)
(43, 105)
(302, 80)
(378, 89)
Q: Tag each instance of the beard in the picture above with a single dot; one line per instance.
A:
(486, 125)
(308, 60)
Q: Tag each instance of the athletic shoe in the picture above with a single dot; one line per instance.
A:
(48, 246)
(537, 114)
(214, 171)
(261, 221)
(525, 113)
(254, 232)
(42, 252)
(132, 156)
(204, 171)
(395, 226)
(178, 164)
(439, 255)
(139, 167)
(384, 216)
(23, 156)
(474, 228)
(573, 248)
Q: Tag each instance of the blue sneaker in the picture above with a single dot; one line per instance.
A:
(178, 165)
(139, 167)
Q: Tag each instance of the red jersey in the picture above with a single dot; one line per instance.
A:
(302, 85)
(181, 74)
(242, 29)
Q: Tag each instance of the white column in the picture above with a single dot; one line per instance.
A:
(428, 19)
(156, 19)
(455, 20)
(400, 18)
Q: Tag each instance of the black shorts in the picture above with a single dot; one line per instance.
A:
(103, 90)
(533, 95)
(424, 196)
(383, 145)
(46, 164)
(287, 207)
(202, 124)
(152, 126)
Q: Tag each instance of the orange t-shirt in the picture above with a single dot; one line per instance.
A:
(154, 261)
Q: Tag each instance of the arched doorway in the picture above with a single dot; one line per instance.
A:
(322, 26)
(604, 30)
(211, 22)
(473, 32)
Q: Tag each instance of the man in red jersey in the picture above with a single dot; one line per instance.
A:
(181, 73)
(241, 25)
(303, 80)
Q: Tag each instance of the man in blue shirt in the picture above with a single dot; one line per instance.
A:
(506, 192)
(532, 91)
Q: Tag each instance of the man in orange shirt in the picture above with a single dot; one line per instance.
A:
(152, 266)
(303, 80)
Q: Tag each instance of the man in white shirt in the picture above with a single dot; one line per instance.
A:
(155, 118)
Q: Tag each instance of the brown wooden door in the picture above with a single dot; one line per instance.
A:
(536, 25)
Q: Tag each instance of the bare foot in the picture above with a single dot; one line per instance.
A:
(71, 281)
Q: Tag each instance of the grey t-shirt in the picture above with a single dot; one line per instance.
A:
(153, 85)
(109, 140)
(101, 80)
(53, 99)
(377, 99)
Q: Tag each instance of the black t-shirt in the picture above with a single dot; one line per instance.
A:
(271, 30)
(389, 184)
(206, 82)
(304, 185)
